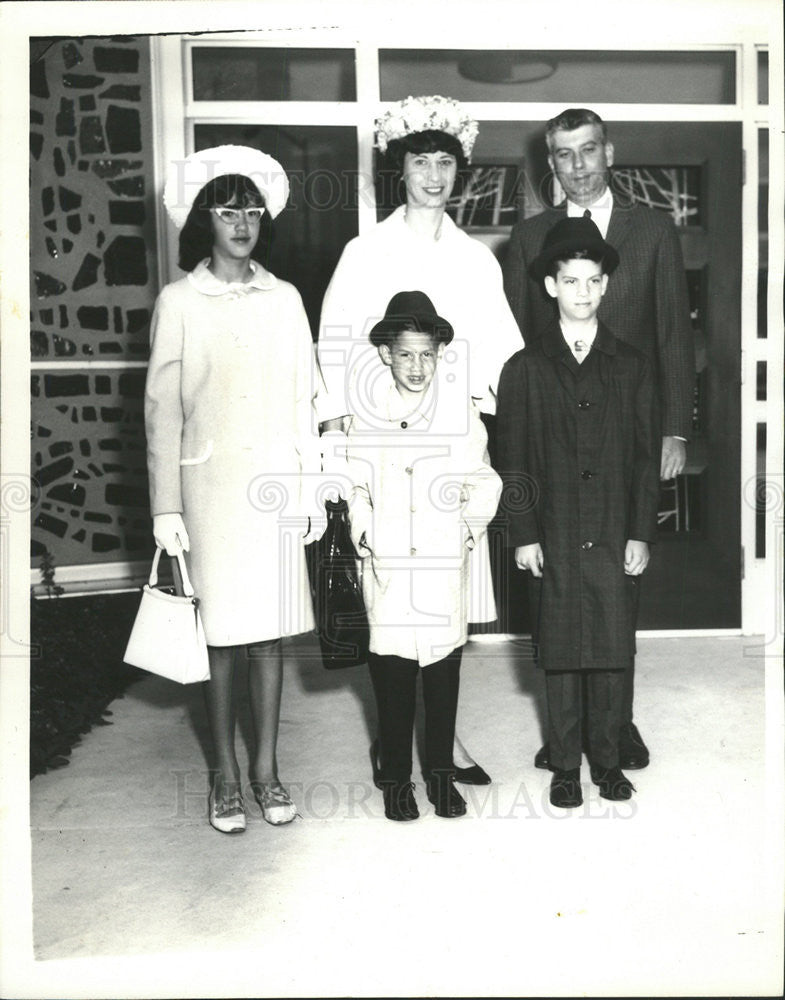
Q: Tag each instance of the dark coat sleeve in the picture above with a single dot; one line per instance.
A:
(515, 278)
(645, 493)
(674, 336)
(520, 493)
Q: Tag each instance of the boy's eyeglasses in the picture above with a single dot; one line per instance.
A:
(232, 215)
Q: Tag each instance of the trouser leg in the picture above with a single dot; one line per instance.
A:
(564, 698)
(605, 690)
(440, 683)
(394, 682)
(627, 692)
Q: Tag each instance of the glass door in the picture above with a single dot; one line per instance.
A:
(691, 170)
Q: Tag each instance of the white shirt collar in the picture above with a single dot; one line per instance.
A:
(206, 282)
(602, 204)
(580, 343)
(600, 211)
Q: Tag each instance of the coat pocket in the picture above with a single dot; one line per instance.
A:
(199, 459)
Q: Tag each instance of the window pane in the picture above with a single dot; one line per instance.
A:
(760, 491)
(763, 231)
(760, 381)
(763, 77)
(261, 74)
(321, 215)
(504, 75)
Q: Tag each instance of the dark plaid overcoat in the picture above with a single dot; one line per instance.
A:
(646, 303)
(578, 450)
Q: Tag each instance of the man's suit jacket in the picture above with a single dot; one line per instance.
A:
(646, 303)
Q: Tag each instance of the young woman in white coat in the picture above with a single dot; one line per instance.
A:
(231, 444)
(427, 143)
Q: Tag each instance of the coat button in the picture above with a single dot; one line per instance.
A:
(404, 424)
(587, 545)
(408, 470)
(412, 510)
(412, 552)
(586, 474)
(584, 404)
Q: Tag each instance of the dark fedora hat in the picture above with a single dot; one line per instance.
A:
(410, 311)
(569, 235)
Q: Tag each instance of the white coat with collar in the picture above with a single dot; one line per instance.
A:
(232, 445)
(422, 498)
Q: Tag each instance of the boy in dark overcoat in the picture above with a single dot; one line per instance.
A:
(578, 447)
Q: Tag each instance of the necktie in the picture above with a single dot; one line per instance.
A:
(586, 213)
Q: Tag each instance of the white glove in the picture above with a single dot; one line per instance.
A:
(170, 534)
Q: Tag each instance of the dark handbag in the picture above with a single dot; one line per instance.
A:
(336, 587)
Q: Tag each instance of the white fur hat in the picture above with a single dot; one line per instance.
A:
(187, 178)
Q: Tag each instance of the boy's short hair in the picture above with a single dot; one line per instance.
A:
(571, 119)
(410, 311)
(572, 239)
(552, 268)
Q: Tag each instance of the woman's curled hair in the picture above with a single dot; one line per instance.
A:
(196, 236)
(429, 141)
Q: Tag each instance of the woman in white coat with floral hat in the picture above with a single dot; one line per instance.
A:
(231, 449)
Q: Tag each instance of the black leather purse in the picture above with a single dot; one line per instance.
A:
(341, 618)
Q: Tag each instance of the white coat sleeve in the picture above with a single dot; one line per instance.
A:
(336, 332)
(163, 411)
(503, 336)
(481, 484)
(307, 387)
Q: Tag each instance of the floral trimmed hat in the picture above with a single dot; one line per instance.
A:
(187, 178)
(420, 114)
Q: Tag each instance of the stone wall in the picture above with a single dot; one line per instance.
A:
(93, 284)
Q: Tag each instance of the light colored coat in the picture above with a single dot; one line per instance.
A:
(231, 435)
(423, 496)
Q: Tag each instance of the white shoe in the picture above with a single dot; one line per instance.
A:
(275, 802)
(227, 815)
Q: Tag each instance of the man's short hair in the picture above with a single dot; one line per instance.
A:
(571, 119)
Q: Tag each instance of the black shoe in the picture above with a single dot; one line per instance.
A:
(612, 783)
(542, 758)
(566, 790)
(399, 802)
(473, 775)
(445, 798)
(377, 774)
(633, 753)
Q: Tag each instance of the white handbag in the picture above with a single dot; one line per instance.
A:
(167, 637)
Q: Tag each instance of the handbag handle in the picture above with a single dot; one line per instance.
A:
(188, 589)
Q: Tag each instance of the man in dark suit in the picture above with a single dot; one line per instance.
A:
(646, 304)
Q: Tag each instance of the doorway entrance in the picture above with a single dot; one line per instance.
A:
(693, 171)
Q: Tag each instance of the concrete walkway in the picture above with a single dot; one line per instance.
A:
(677, 892)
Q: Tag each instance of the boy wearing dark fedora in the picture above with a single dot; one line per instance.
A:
(423, 494)
(579, 439)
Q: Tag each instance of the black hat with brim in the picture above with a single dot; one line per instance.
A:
(410, 311)
(570, 235)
